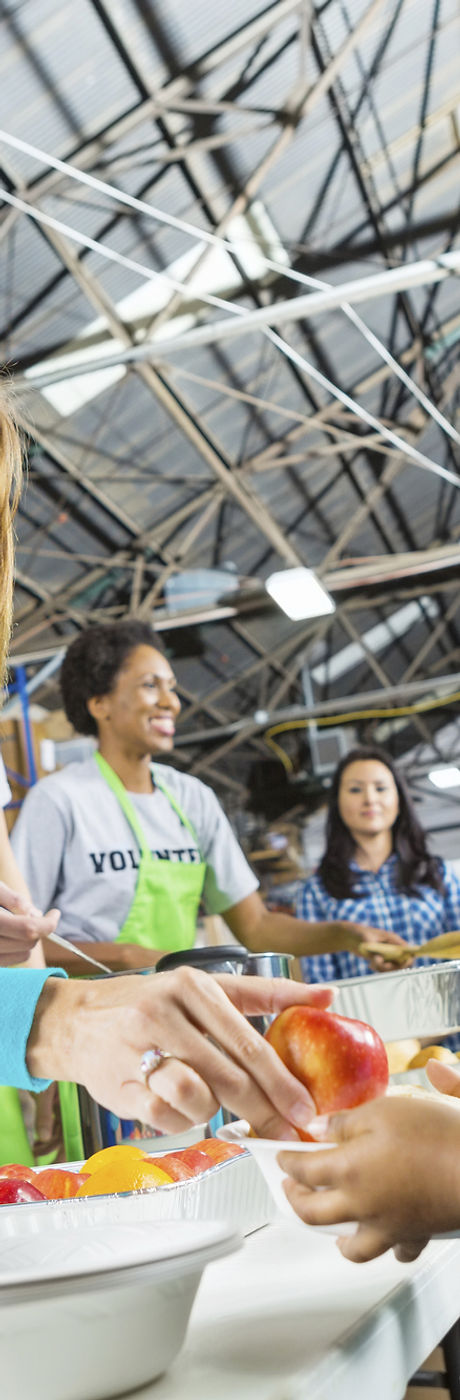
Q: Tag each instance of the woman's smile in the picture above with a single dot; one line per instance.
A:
(163, 724)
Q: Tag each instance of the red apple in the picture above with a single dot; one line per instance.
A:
(59, 1185)
(197, 1161)
(15, 1191)
(341, 1062)
(218, 1151)
(174, 1166)
(16, 1170)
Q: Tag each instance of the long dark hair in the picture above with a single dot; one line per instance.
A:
(415, 864)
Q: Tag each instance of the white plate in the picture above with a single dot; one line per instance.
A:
(106, 1331)
(265, 1151)
(28, 1257)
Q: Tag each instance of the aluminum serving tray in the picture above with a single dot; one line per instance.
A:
(417, 1002)
(233, 1191)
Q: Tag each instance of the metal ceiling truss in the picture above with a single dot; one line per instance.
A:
(342, 486)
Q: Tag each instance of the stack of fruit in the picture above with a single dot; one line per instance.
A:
(112, 1170)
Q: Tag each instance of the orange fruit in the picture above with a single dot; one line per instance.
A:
(124, 1175)
(123, 1152)
(432, 1052)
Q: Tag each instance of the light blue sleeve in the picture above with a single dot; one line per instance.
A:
(20, 988)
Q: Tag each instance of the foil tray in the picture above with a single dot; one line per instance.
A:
(419, 1002)
(232, 1191)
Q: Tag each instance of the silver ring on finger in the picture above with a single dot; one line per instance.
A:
(151, 1060)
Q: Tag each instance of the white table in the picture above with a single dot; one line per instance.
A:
(287, 1318)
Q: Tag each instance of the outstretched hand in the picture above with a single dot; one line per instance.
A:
(96, 1034)
(368, 948)
(395, 1171)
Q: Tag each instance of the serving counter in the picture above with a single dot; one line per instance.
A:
(287, 1318)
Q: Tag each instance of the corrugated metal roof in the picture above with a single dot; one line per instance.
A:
(188, 109)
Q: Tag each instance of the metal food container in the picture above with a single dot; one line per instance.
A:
(224, 958)
(419, 1002)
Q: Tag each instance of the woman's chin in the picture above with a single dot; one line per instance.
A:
(372, 828)
(161, 743)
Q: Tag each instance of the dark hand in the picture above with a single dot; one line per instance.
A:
(395, 1170)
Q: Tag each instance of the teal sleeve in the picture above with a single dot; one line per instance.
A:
(20, 988)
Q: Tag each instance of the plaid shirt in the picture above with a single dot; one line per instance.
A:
(381, 905)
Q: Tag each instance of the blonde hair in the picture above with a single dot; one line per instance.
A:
(10, 486)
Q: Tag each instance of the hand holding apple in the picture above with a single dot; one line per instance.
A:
(394, 1170)
(340, 1061)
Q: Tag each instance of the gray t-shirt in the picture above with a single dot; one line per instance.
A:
(78, 853)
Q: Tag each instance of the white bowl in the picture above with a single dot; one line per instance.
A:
(95, 1311)
(266, 1151)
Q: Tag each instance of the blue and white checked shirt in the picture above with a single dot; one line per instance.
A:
(381, 905)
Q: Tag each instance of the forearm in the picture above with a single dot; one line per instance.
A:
(52, 1044)
(9, 869)
(36, 957)
(116, 957)
(281, 933)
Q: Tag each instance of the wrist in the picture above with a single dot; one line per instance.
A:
(52, 1044)
(348, 937)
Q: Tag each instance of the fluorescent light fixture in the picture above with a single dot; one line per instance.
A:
(299, 593)
(445, 777)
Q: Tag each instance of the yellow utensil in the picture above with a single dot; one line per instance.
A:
(445, 945)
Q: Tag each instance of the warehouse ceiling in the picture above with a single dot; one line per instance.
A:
(178, 181)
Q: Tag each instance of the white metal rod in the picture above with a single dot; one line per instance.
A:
(293, 310)
(380, 284)
(387, 434)
(248, 322)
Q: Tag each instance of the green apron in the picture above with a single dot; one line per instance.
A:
(166, 902)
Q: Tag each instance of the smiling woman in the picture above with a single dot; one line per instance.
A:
(125, 848)
(132, 845)
(368, 806)
(377, 867)
(118, 686)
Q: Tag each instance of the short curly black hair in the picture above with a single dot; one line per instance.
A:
(92, 663)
